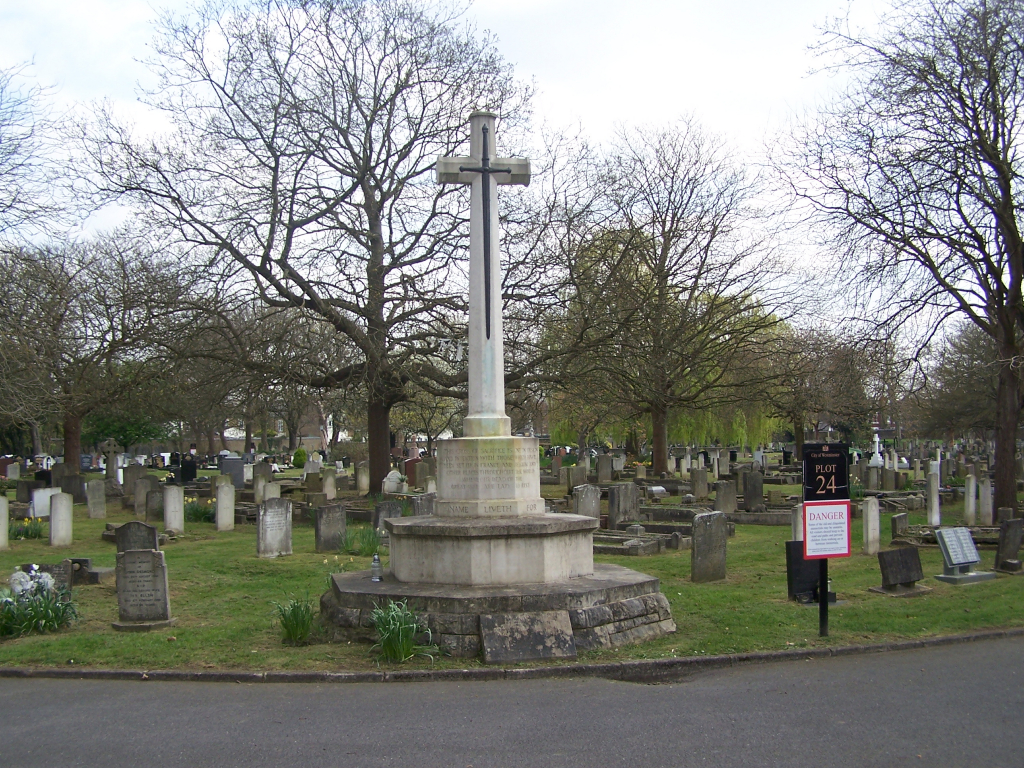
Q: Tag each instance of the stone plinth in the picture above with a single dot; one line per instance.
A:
(488, 477)
(613, 606)
(531, 549)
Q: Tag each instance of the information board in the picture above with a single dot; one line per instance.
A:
(826, 471)
(957, 546)
(826, 529)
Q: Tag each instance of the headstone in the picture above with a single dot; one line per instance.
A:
(14, 471)
(41, 501)
(386, 510)
(556, 465)
(901, 570)
(1003, 514)
(934, 503)
(135, 534)
(796, 523)
(263, 469)
(271, 491)
(23, 491)
(143, 599)
(801, 574)
(985, 501)
(707, 549)
(421, 471)
(604, 468)
(61, 520)
(174, 508)
(154, 506)
(5, 521)
(259, 484)
(586, 500)
(888, 479)
(130, 475)
(225, 492)
(725, 496)
(247, 471)
(362, 478)
(423, 504)
(141, 490)
(1008, 552)
(189, 469)
(274, 528)
(623, 504)
(900, 523)
(641, 472)
(959, 556)
(328, 480)
(316, 500)
(314, 483)
(233, 466)
(96, 493)
(699, 483)
(577, 476)
(330, 527)
(872, 480)
(871, 525)
(753, 491)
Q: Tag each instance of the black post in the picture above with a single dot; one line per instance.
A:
(823, 597)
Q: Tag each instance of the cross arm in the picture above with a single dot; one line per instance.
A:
(447, 170)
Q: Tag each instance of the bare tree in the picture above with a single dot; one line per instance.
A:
(80, 322)
(915, 170)
(302, 157)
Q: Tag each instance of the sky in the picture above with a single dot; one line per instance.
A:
(740, 66)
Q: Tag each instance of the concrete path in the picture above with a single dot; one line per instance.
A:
(959, 705)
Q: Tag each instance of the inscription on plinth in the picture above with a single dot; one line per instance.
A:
(488, 477)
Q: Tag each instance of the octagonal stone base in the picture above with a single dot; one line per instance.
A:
(534, 549)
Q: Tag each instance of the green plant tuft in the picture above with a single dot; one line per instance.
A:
(198, 512)
(28, 528)
(397, 628)
(363, 541)
(299, 459)
(296, 617)
(45, 611)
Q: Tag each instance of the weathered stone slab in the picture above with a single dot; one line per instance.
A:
(384, 510)
(708, 547)
(510, 638)
(753, 490)
(330, 527)
(725, 496)
(143, 599)
(604, 468)
(623, 504)
(423, 504)
(900, 522)
(96, 493)
(274, 528)
(174, 508)
(235, 468)
(314, 483)
(225, 517)
(586, 500)
(135, 534)
(23, 491)
(61, 519)
(362, 478)
(41, 501)
(699, 483)
(901, 570)
(577, 476)
(1008, 553)
(154, 506)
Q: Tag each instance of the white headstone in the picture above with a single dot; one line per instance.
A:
(934, 502)
(259, 482)
(970, 500)
(985, 501)
(40, 506)
(226, 505)
(61, 519)
(274, 528)
(14, 471)
(271, 491)
(174, 508)
(362, 479)
(586, 500)
(796, 523)
(871, 525)
(327, 478)
(5, 521)
(247, 473)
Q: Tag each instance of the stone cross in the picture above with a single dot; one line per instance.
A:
(486, 415)
(111, 449)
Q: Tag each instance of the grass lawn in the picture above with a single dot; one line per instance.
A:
(223, 598)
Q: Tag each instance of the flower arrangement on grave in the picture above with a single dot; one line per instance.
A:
(34, 604)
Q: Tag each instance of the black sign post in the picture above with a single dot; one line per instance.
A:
(826, 478)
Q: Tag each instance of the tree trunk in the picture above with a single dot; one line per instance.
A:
(1007, 418)
(581, 445)
(223, 439)
(37, 439)
(248, 437)
(659, 439)
(73, 441)
(798, 439)
(378, 438)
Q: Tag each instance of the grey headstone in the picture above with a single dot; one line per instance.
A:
(623, 504)
(135, 534)
(699, 483)
(274, 528)
(385, 510)
(314, 483)
(316, 500)
(330, 527)
(586, 500)
(235, 468)
(140, 491)
(900, 523)
(604, 468)
(96, 493)
(753, 490)
(263, 469)
(725, 496)
(14, 471)
(423, 504)
(509, 638)
(421, 471)
(155, 506)
(900, 566)
(577, 476)
(23, 492)
(1008, 553)
(707, 551)
(142, 593)
(888, 479)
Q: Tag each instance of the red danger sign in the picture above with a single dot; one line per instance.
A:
(826, 529)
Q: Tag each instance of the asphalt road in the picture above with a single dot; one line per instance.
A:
(959, 705)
